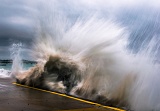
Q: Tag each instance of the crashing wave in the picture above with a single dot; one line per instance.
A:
(89, 59)
(4, 73)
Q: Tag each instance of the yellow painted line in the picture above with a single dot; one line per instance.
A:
(88, 109)
(71, 97)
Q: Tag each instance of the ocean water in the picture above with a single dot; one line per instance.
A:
(8, 66)
(5, 69)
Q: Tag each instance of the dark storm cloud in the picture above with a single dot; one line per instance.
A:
(16, 24)
(18, 17)
(15, 19)
(9, 33)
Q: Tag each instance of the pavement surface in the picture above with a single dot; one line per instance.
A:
(17, 98)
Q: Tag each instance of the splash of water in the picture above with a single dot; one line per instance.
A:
(4, 73)
(98, 48)
(103, 58)
(16, 58)
(145, 92)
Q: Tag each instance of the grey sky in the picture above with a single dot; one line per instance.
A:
(16, 25)
(18, 18)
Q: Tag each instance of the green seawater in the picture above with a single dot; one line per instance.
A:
(8, 66)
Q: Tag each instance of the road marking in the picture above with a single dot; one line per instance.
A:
(71, 97)
(88, 109)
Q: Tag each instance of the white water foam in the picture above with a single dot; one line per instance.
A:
(4, 73)
(101, 45)
(16, 58)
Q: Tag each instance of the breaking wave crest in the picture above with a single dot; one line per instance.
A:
(4, 73)
(90, 59)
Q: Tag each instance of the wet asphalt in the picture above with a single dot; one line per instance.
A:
(16, 98)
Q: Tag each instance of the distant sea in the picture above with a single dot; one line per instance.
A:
(8, 66)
